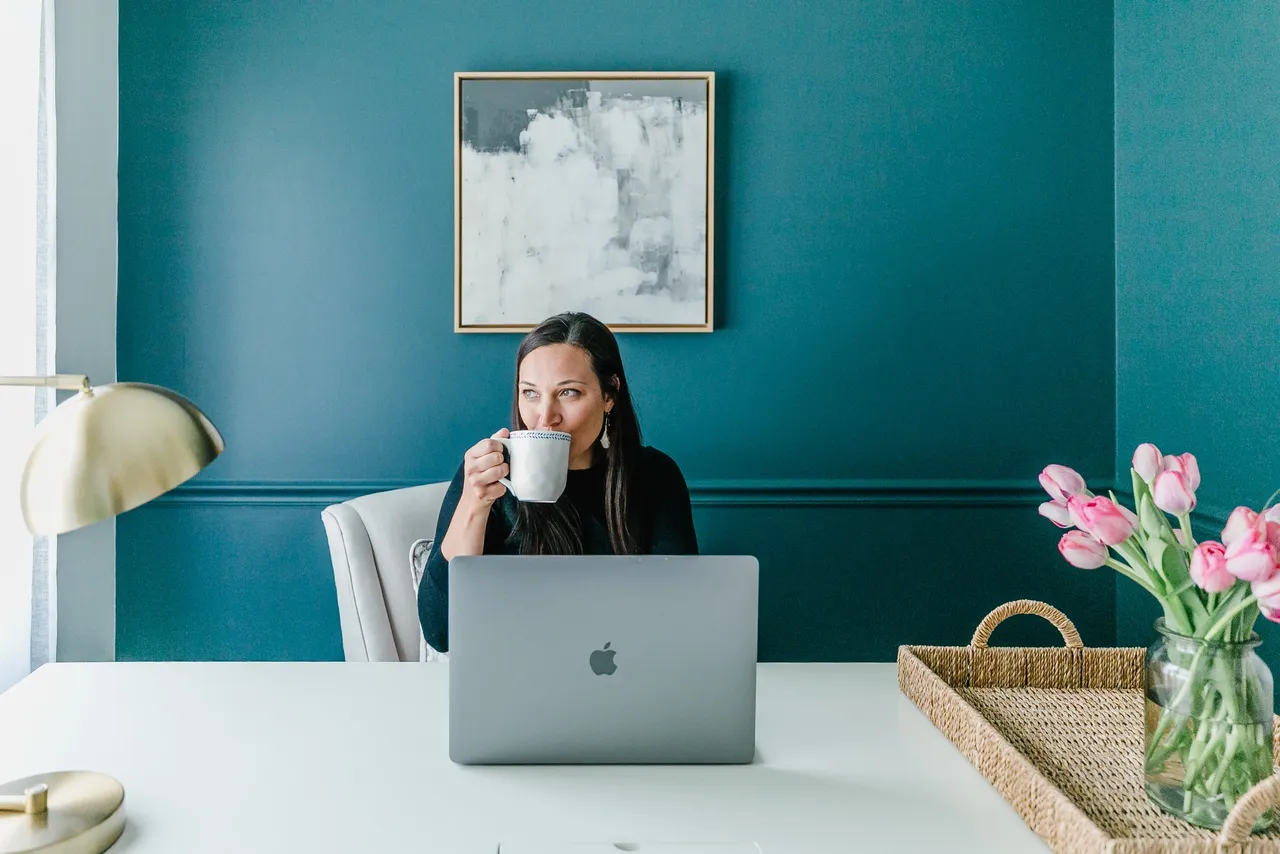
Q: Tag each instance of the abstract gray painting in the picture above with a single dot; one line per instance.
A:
(586, 195)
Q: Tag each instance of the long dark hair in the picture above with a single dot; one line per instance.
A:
(555, 528)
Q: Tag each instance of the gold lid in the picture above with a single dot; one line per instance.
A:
(78, 812)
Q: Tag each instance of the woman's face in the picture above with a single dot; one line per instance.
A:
(558, 390)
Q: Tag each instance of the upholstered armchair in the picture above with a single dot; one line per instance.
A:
(370, 538)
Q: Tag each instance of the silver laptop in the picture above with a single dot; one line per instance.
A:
(602, 659)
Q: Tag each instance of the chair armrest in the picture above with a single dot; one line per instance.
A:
(366, 628)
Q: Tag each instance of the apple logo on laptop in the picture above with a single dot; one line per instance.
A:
(602, 663)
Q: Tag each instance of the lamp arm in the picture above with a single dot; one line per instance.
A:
(62, 381)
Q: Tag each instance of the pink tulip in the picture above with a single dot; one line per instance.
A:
(1191, 470)
(1103, 518)
(1273, 536)
(1057, 513)
(1185, 465)
(1082, 550)
(1171, 494)
(1240, 520)
(1209, 568)
(1148, 462)
(1250, 557)
(1268, 593)
(1061, 482)
(1272, 514)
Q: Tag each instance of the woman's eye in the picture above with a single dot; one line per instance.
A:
(529, 394)
(570, 392)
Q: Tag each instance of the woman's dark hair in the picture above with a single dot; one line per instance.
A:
(552, 528)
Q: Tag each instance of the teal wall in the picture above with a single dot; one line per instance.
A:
(914, 296)
(1198, 256)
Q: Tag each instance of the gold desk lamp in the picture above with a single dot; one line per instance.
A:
(104, 451)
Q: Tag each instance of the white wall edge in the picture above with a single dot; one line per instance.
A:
(86, 77)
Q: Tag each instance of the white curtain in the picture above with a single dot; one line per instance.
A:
(27, 193)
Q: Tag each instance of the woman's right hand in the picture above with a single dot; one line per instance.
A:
(483, 464)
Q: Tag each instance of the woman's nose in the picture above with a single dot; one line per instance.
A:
(548, 417)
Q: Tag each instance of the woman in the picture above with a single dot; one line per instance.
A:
(621, 496)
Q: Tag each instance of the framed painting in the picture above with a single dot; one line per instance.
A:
(584, 191)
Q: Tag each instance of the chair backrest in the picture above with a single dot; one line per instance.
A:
(369, 542)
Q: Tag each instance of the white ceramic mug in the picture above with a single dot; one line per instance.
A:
(539, 461)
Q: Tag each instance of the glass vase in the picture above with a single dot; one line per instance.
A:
(1208, 726)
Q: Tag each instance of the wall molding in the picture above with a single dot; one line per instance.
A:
(706, 493)
(1211, 516)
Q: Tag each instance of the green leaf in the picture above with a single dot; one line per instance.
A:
(1175, 565)
(1151, 524)
(1139, 486)
(1154, 548)
(1154, 523)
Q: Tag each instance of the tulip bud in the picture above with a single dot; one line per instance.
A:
(1103, 518)
(1190, 470)
(1082, 550)
(1061, 482)
(1057, 513)
(1240, 520)
(1209, 568)
(1171, 494)
(1268, 593)
(1185, 465)
(1250, 557)
(1147, 462)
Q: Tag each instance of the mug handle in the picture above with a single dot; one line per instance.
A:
(506, 452)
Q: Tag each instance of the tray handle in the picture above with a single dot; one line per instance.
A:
(1240, 821)
(982, 634)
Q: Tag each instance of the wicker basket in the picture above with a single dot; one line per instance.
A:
(1059, 733)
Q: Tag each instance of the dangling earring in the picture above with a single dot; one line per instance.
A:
(604, 433)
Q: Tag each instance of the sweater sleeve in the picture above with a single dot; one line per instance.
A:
(433, 589)
(673, 531)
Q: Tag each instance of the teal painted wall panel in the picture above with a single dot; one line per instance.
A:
(849, 584)
(914, 249)
(1198, 256)
(225, 583)
(253, 580)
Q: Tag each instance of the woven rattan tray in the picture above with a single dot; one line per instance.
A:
(1059, 733)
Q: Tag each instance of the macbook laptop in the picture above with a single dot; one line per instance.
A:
(602, 659)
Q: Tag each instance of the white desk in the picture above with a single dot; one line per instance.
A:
(320, 757)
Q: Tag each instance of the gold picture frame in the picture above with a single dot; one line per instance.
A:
(584, 190)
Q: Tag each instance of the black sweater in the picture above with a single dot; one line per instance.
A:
(664, 515)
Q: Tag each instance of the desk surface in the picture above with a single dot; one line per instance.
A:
(322, 757)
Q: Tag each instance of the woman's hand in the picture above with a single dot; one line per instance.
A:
(483, 464)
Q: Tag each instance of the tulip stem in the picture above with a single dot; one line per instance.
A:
(1184, 519)
(1140, 565)
(1225, 619)
(1189, 584)
(1129, 573)
(1175, 606)
(1267, 506)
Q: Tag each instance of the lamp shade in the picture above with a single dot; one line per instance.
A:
(110, 449)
